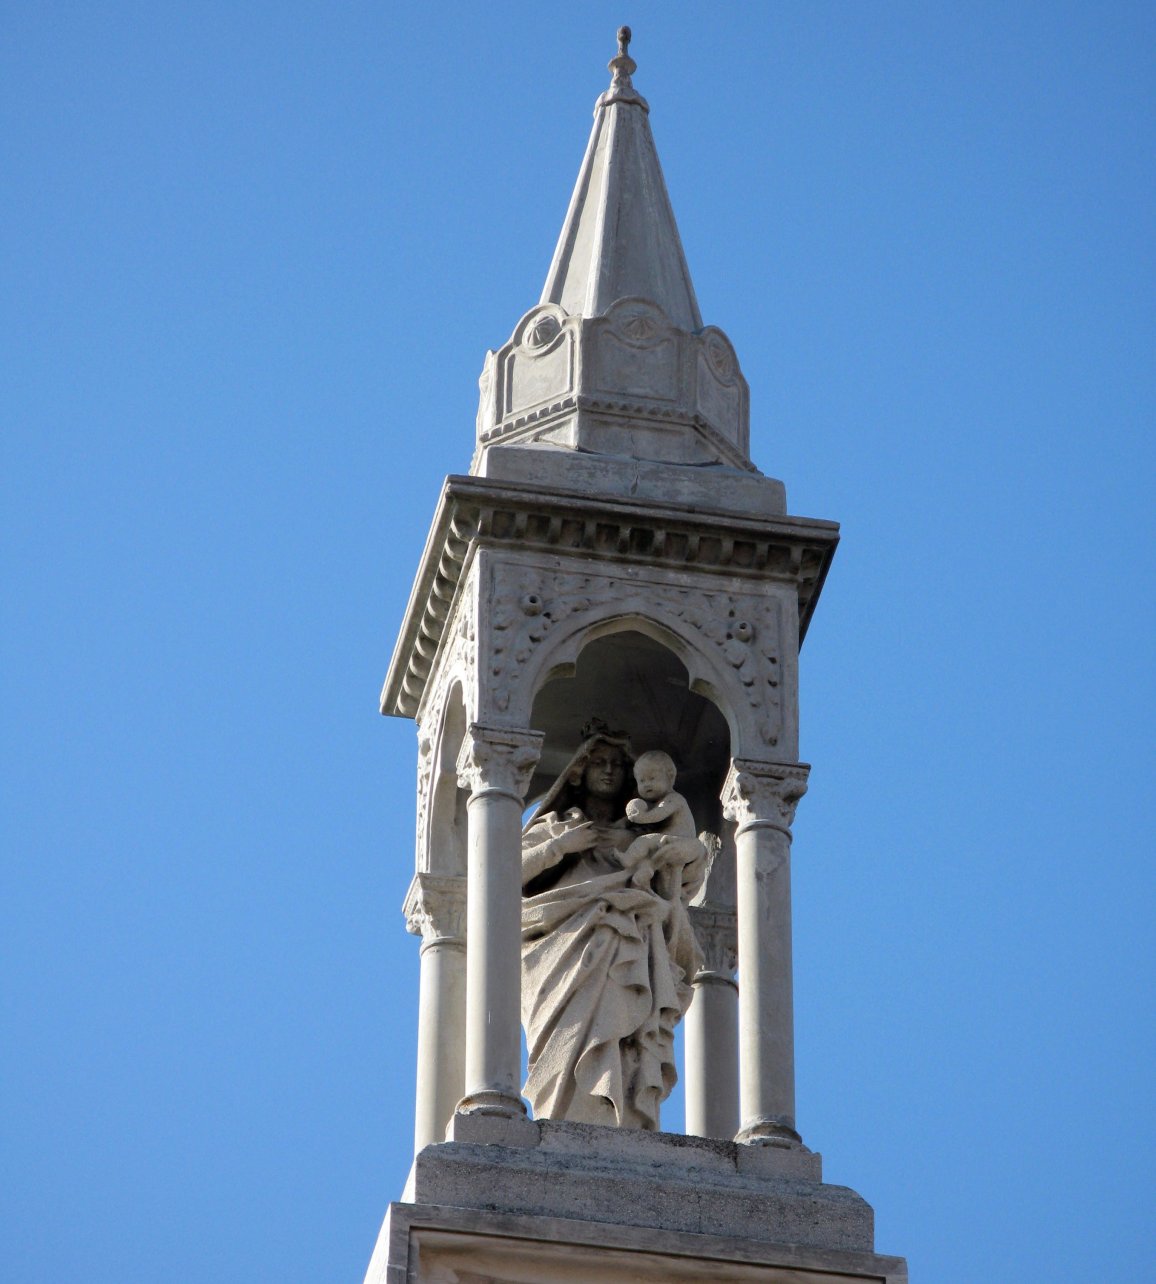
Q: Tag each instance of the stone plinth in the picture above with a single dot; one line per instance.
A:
(513, 1201)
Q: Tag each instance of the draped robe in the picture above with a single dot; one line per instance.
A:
(606, 973)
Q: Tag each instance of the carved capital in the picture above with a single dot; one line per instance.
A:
(435, 909)
(494, 760)
(716, 931)
(763, 794)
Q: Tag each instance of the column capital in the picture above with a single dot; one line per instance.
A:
(716, 930)
(435, 909)
(498, 760)
(763, 794)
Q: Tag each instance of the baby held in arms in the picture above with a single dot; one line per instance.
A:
(674, 847)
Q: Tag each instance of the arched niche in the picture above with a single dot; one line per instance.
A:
(637, 685)
(445, 847)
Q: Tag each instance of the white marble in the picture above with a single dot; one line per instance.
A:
(495, 766)
(614, 552)
(435, 909)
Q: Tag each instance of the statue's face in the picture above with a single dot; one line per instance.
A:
(605, 772)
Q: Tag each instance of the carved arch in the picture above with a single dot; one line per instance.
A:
(730, 642)
(442, 837)
(705, 677)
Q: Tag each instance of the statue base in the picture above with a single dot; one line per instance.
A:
(558, 1202)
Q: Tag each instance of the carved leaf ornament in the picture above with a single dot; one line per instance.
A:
(528, 605)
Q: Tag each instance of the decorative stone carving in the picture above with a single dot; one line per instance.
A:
(608, 952)
(475, 511)
(627, 381)
(716, 931)
(496, 761)
(424, 795)
(435, 909)
(744, 629)
(763, 793)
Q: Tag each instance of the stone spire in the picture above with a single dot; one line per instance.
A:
(620, 238)
(614, 362)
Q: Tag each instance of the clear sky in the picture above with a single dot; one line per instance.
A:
(253, 254)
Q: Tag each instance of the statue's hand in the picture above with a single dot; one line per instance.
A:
(635, 808)
(579, 839)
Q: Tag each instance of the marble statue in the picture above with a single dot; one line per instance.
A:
(608, 952)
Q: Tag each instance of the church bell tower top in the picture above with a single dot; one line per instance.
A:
(614, 360)
(620, 239)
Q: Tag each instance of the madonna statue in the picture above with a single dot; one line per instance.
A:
(606, 964)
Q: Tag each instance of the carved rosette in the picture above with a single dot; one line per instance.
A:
(716, 931)
(744, 629)
(763, 794)
(494, 760)
(435, 909)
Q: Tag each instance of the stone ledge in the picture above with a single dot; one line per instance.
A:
(717, 487)
(418, 1239)
(675, 537)
(658, 1180)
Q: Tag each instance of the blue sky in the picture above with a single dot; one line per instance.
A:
(253, 255)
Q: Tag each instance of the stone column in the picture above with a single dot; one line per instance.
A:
(760, 797)
(495, 765)
(712, 1038)
(435, 910)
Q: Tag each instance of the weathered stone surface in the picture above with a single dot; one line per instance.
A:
(609, 1202)
(628, 383)
(654, 1180)
(424, 1244)
(615, 359)
(718, 488)
(743, 564)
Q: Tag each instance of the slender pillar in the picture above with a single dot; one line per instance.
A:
(760, 797)
(495, 765)
(435, 910)
(712, 1029)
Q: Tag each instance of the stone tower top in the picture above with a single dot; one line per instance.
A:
(620, 238)
(614, 361)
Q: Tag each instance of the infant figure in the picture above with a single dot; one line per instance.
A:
(673, 852)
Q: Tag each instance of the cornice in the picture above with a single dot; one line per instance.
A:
(474, 512)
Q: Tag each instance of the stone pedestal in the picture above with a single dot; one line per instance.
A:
(513, 1201)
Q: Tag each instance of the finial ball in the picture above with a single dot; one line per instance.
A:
(624, 34)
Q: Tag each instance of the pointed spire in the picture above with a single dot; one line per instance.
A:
(620, 239)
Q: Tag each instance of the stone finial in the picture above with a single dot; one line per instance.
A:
(622, 66)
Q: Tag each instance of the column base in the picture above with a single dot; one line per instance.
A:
(770, 1130)
(491, 1128)
(492, 1103)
